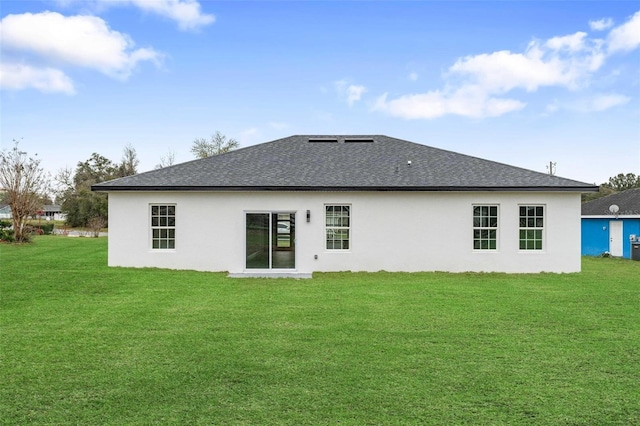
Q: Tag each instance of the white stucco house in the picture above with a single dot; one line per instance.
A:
(53, 211)
(302, 204)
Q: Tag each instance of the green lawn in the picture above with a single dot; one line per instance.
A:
(82, 343)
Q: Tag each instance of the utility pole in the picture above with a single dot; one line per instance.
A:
(552, 168)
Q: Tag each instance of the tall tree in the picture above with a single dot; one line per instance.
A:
(81, 205)
(96, 169)
(622, 182)
(129, 164)
(618, 183)
(25, 184)
(218, 144)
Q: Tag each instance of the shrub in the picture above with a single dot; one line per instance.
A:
(47, 228)
(96, 223)
(6, 232)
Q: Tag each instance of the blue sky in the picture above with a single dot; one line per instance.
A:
(523, 83)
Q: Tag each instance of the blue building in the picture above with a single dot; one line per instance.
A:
(610, 224)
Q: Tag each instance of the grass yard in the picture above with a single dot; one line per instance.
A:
(82, 343)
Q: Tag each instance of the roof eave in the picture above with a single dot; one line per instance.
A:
(610, 216)
(174, 188)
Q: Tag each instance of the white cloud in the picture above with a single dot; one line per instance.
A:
(601, 24)
(603, 102)
(48, 80)
(561, 61)
(350, 92)
(187, 13)
(354, 93)
(413, 76)
(468, 101)
(503, 71)
(84, 41)
(475, 85)
(625, 37)
(572, 43)
(596, 103)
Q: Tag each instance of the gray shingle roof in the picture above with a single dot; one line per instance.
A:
(365, 163)
(627, 201)
(52, 208)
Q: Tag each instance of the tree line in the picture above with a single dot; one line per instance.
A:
(26, 187)
(83, 207)
(620, 182)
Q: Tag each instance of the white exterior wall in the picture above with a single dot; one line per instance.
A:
(392, 231)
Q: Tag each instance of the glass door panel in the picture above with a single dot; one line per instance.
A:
(258, 225)
(283, 250)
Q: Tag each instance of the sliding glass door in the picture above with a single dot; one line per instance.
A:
(270, 240)
(258, 240)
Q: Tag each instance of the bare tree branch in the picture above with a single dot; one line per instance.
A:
(218, 144)
(166, 160)
(25, 183)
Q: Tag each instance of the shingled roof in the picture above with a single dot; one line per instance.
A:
(628, 203)
(342, 163)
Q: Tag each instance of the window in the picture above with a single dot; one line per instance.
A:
(163, 227)
(337, 227)
(485, 227)
(531, 227)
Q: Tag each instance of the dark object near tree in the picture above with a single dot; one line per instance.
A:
(635, 251)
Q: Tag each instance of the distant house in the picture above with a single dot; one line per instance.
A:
(608, 223)
(54, 212)
(344, 203)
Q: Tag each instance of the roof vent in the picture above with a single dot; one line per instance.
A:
(323, 140)
(359, 140)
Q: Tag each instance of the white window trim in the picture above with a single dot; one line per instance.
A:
(497, 228)
(544, 229)
(151, 228)
(349, 228)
